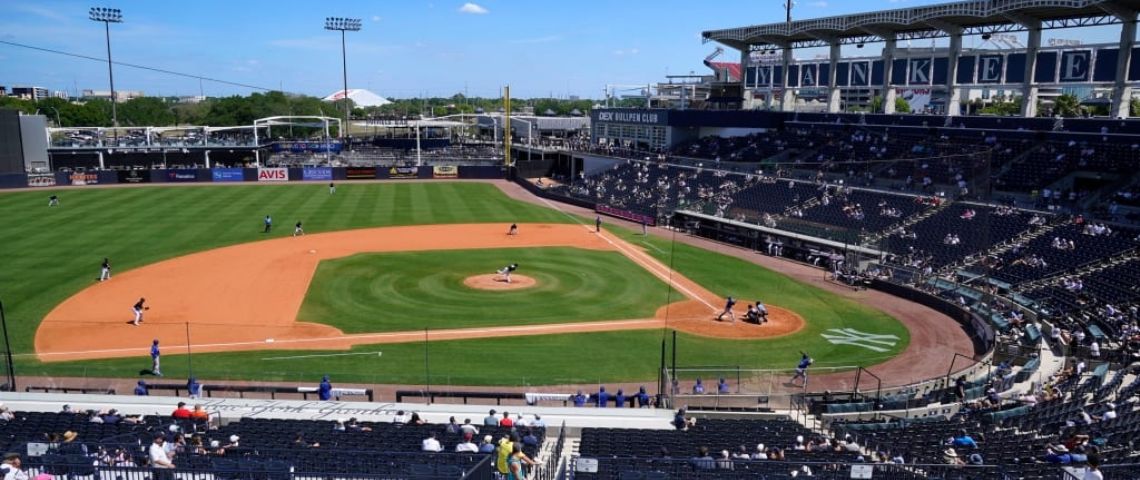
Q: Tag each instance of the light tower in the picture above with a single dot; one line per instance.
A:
(343, 25)
(109, 16)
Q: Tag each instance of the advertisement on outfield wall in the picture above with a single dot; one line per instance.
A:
(134, 176)
(403, 172)
(317, 173)
(41, 179)
(273, 174)
(626, 214)
(228, 174)
(445, 172)
(84, 178)
(357, 173)
(182, 175)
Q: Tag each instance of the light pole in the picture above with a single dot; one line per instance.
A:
(109, 16)
(343, 25)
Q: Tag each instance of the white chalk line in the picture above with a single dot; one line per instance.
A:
(478, 333)
(649, 263)
(294, 357)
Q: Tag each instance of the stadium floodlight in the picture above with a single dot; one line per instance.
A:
(109, 16)
(342, 25)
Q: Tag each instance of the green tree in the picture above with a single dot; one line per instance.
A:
(901, 105)
(1134, 107)
(876, 104)
(1067, 105)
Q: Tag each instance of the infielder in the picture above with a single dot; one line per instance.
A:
(105, 272)
(138, 309)
(506, 271)
(514, 230)
(728, 304)
(597, 224)
(155, 359)
(801, 369)
(297, 230)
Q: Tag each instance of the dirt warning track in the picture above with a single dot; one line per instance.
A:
(247, 296)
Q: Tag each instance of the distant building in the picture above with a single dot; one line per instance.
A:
(120, 95)
(359, 97)
(191, 99)
(3, 91)
(30, 93)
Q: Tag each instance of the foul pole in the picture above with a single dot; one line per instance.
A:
(507, 125)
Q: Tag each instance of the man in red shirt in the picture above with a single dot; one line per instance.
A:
(182, 413)
(506, 421)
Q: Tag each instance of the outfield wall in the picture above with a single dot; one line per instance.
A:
(234, 175)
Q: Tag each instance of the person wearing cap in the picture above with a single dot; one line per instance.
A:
(324, 390)
(579, 399)
(722, 387)
(964, 440)
(11, 468)
(193, 388)
(503, 453)
(602, 400)
(157, 453)
(488, 445)
(141, 389)
(975, 459)
(491, 420)
(235, 442)
(1058, 454)
(467, 446)
(112, 417)
(761, 452)
(950, 457)
(642, 398)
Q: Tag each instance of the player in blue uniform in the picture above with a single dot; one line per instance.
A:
(801, 369)
(728, 304)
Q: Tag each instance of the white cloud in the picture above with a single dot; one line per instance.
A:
(628, 51)
(376, 18)
(474, 9)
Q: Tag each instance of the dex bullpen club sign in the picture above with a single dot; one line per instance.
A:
(273, 174)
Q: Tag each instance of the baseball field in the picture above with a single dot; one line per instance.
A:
(392, 283)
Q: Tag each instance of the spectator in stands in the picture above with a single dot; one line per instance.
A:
(775, 453)
(529, 439)
(1093, 472)
(761, 452)
(488, 445)
(141, 389)
(680, 422)
(1110, 412)
(431, 444)
(401, 418)
(452, 426)
(975, 459)
(416, 421)
(725, 461)
(642, 398)
(702, 461)
(603, 398)
(1058, 454)
(324, 390)
(506, 421)
(503, 452)
(964, 440)
(157, 453)
(517, 463)
(490, 420)
(467, 446)
(467, 427)
(199, 414)
(12, 467)
(181, 413)
(950, 457)
(112, 417)
(538, 422)
(299, 441)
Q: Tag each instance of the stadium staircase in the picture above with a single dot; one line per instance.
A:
(999, 249)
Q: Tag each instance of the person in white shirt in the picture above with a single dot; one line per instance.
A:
(1094, 349)
(431, 444)
(538, 422)
(466, 445)
(158, 457)
(1110, 414)
(11, 468)
(1093, 472)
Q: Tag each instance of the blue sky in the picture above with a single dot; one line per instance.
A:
(406, 49)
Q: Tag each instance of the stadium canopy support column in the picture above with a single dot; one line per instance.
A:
(834, 95)
(101, 165)
(1029, 92)
(745, 57)
(953, 95)
(1121, 91)
(888, 71)
(787, 102)
(207, 156)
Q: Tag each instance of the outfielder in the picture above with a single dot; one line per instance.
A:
(506, 271)
(105, 272)
(332, 188)
(728, 304)
(138, 309)
(268, 224)
(801, 369)
(53, 201)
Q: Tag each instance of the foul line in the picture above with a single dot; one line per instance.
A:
(294, 357)
(650, 264)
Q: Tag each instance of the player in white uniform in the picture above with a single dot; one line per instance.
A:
(138, 309)
(297, 230)
(105, 271)
(506, 271)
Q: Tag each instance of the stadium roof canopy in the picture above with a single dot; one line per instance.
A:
(360, 97)
(972, 17)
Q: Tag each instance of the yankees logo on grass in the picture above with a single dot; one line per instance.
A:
(870, 341)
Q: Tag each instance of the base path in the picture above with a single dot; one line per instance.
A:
(247, 296)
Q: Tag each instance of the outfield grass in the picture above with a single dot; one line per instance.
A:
(49, 254)
(381, 292)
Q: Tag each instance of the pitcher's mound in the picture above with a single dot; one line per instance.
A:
(496, 282)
